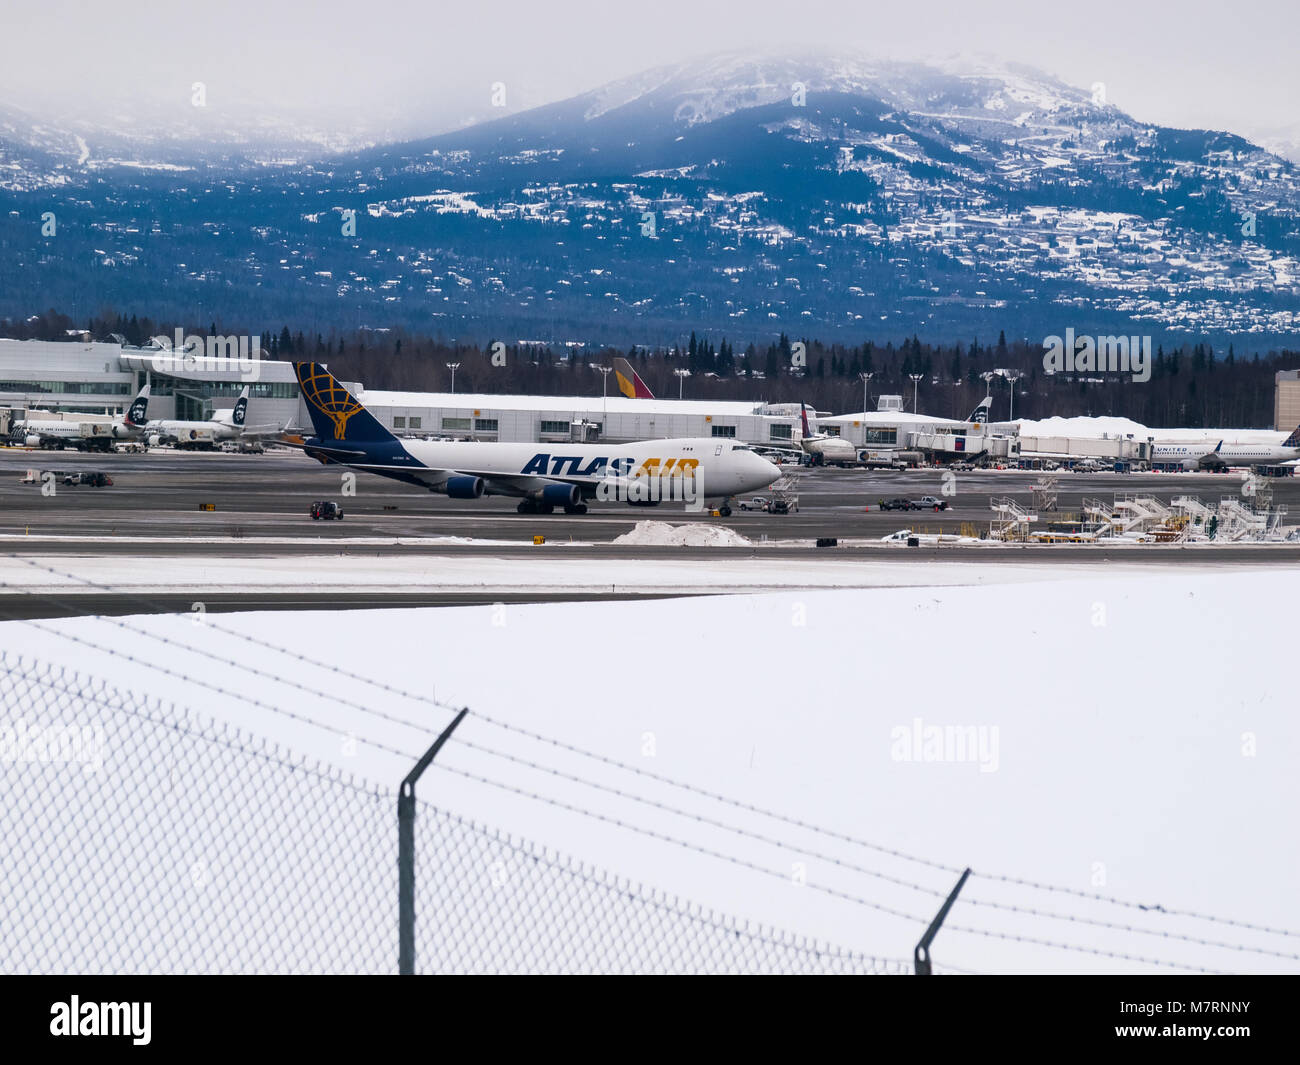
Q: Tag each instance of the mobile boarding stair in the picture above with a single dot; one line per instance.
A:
(1012, 521)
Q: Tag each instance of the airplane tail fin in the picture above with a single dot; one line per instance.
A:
(335, 412)
(803, 416)
(1294, 439)
(138, 413)
(629, 381)
(240, 413)
(981, 413)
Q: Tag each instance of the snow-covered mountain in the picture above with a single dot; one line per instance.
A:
(804, 192)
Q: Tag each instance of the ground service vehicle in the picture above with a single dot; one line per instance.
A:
(326, 510)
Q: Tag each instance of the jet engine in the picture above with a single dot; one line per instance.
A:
(464, 487)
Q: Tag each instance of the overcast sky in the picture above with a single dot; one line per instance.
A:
(422, 67)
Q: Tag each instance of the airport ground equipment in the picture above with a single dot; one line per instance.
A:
(1012, 521)
(785, 495)
(325, 510)
(1046, 492)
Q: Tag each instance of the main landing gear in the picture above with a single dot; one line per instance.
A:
(527, 506)
(724, 508)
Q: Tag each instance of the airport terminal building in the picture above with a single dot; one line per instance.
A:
(87, 377)
(79, 376)
(528, 419)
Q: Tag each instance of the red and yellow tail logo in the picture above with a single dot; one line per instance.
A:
(629, 383)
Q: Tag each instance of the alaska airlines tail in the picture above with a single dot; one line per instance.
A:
(137, 413)
(335, 412)
(981, 413)
(240, 412)
(1294, 439)
(629, 382)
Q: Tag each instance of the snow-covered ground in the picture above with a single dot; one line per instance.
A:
(1133, 737)
(142, 575)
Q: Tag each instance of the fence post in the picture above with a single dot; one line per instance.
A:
(921, 955)
(406, 852)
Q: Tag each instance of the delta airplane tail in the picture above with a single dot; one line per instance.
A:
(803, 416)
(629, 381)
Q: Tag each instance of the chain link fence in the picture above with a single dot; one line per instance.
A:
(142, 837)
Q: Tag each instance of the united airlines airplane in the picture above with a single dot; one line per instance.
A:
(1202, 456)
(542, 477)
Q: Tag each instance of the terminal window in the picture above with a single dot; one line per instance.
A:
(485, 425)
(724, 430)
(882, 436)
(415, 423)
(399, 421)
(555, 427)
(458, 425)
(780, 432)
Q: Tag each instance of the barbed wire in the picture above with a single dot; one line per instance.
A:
(305, 880)
(649, 774)
(822, 888)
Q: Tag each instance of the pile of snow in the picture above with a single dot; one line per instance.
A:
(1084, 426)
(661, 534)
(1099, 427)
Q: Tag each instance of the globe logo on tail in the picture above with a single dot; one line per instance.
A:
(328, 396)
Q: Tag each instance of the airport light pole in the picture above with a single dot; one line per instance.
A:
(988, 376)
(916, 378)
(605, 371)
(865, 378)
(1012, 377)
(452, 367)
(681, 380)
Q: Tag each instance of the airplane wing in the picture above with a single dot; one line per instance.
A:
(262, 432)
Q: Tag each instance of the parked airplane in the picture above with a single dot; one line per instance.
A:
(223, 425)
(980, 415)
(91, 434)
(1200, 456)
(641, 473)
(629, 382)
(824, 448)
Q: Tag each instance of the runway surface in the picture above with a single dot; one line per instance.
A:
(151, 516)
(159, 494)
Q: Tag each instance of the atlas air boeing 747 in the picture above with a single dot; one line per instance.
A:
(542, 477)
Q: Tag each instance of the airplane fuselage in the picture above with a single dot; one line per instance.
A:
(715, 468)
(1207, 455)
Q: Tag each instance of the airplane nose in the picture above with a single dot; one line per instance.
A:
(765, 471)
